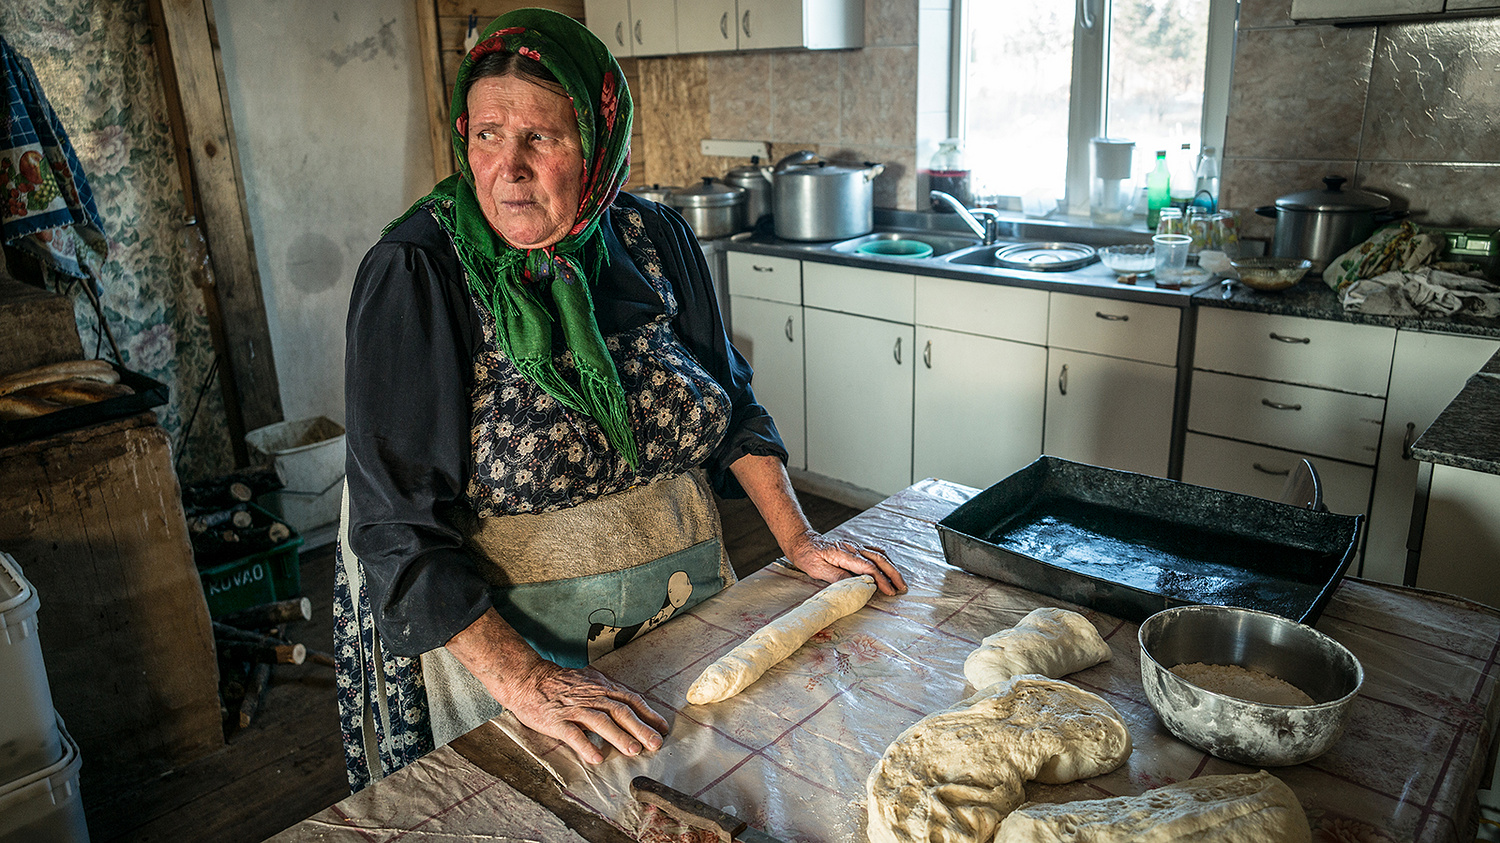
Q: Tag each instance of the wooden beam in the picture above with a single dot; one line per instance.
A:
(437, 96)
(249, 372)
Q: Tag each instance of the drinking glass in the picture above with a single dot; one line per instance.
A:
(1171, 259)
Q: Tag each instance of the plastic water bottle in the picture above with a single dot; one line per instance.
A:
(1206, 179)
(1183, 183)
(1158, 189)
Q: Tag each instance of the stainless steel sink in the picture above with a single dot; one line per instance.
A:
(1037, 256)
(941, 244)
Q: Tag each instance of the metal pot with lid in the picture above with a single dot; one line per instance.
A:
(812, 199)
(654, 193)
(1322, 224)
(712, 209)
(757, 189)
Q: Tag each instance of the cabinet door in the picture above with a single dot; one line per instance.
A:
(707, 26)
(1262, 472)
(769, 335)
(764, 277)
(992, 310)
(609, 20)
(1109, 412)
(865, 292)
(653, 27)
(1427, 372)
(979, 407)
(859, 400)
(768, 24)
(1461, 540)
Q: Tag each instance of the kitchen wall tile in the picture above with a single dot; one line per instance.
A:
(1438, 194)
(739, 95)
(805, 96)
(672, 107)
(1255, 13)
(890, 23)
(896, 187)
(878, 96)
(1247, 184)
(1435, 92)
(1300, 92)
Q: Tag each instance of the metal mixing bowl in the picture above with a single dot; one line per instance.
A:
(1270, 275)
(1237, 730)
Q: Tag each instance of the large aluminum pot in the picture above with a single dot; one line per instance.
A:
(712, 209)
(1322, 224)
(817, 200)
(757, 189)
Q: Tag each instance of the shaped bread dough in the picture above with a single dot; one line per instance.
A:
(1049, 641)
(1246, 808)
(955, 774)
(735, 670)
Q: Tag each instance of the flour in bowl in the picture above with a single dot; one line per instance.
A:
(1242, 683)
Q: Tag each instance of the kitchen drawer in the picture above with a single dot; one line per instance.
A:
(1298, 418)
(991, 310)
(1137, 331)
(864, 292)
(1316, 352)
(762, 277)
(1262, 471)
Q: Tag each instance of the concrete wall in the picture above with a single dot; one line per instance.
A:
(329, 113)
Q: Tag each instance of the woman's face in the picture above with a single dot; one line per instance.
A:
(527, 159)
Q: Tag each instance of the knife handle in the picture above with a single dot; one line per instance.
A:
(684, 808)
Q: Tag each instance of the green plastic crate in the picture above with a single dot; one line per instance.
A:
(262, 577)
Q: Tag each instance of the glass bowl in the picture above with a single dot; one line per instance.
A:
(1270, 275)
(1129, 260)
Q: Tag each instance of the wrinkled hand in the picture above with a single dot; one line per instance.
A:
(566, 703)
(830, 560)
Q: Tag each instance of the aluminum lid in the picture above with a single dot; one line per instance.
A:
(1334, 199)
(706, 194)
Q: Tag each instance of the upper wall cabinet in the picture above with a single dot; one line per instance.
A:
(1374, 11)
(631, 27)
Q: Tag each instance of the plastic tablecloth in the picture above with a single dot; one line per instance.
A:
(790, 753)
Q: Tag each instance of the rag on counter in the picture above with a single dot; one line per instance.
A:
(1394, 274)
(46, 207)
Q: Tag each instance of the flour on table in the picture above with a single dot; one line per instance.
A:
(1242, 683)
(1244, 808)
(955, 774)
(1050, 641)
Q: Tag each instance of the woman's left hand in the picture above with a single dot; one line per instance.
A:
(831, 560)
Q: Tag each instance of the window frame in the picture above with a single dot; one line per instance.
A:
(1087, 102)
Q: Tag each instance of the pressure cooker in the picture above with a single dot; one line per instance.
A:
(813, 199)
(1322, 224)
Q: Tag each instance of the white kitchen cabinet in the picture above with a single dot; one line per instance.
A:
(769, 335)
(609, 20)
(1461, 536)
(1428, 370)
(666, 27)
(707, 26)
(1134, 330)
(1291, 416)
(1317, 10)
(1293, 349)
(865, 292)
(764, 277)
(1109, 411)
(1262, 471)
(859, 399)
(634, 27)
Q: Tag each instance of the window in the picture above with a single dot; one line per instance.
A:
(1037, 81)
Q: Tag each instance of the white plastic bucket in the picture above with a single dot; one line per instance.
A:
(307, 454)
(28, 724)
(44, 807)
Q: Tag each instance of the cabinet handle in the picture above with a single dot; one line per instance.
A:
(897, 351)
(1062, 380)
(637, 32)
(1280, 338)
(620, 32)
(789, 329)
(724, 25)
(758, 268)
(927, 354)
(1275, 406)
(1271, 471)
(745, 23)
(1407, 439)
(1112, 317)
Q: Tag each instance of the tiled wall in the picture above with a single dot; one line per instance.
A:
(1410, 111)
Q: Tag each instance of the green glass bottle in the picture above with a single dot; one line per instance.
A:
(1158, 190)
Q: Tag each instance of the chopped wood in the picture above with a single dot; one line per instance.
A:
(261, 653)
(255, 693)
(270, 614)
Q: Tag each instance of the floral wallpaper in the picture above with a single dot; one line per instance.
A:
(97, 63)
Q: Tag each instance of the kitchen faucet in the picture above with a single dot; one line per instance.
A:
(989, 230)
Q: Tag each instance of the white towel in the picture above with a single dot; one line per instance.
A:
(1422, 292)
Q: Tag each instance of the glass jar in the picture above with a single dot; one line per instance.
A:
(948, 173)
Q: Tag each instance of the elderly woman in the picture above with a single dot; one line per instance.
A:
(541, 400)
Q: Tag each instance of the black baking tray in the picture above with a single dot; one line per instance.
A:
(148, 393)
(1131, 545)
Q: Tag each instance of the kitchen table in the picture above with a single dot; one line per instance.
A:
(791, 752)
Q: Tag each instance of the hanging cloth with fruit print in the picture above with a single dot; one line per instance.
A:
(46, 206)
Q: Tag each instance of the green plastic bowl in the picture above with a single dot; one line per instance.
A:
(896, 248)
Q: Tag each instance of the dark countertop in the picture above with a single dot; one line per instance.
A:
(1315, 300)
(1467, 433)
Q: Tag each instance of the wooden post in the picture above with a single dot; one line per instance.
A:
(437, 99)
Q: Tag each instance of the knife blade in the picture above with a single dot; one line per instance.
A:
(678, 805)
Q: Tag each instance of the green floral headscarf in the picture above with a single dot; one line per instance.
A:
(516, 285)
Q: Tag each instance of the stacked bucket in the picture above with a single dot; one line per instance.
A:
(39, 763)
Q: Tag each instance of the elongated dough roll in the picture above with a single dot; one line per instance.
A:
(735, 670)
(1050, 641)
(76, 391)
(97, 370)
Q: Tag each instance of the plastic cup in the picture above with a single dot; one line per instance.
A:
(1171, 259)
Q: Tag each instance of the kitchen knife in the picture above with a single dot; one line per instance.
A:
(686, 809)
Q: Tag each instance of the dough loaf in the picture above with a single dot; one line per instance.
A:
(1052, 642)
(778, 639)
(955, 774)
(1246, 808)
